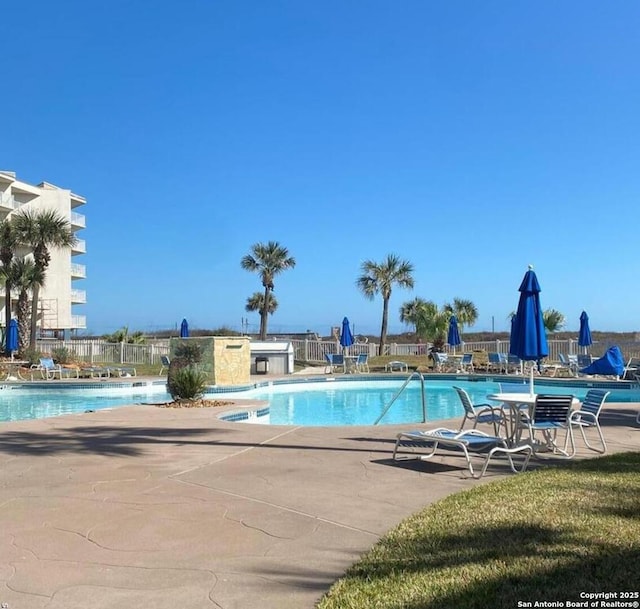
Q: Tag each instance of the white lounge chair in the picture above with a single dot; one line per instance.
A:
(468, 442)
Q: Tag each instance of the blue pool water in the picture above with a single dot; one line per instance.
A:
(17, 403)
(362, 402)
(354, 402)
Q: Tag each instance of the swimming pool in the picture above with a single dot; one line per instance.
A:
(361, 402)
(22, 402)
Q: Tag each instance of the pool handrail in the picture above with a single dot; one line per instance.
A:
(395, 397)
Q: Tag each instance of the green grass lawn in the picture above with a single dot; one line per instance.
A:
(547, 535)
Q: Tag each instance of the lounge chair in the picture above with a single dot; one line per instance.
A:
(468, 442)
(566, 364)
(395, 365)
(441, 361)
(333, 361)
(496, 363)
(165, 361)
(48, 369)
(362, 362)
(466, 363)
(587, 416)
(480, 413)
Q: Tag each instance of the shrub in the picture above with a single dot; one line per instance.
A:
(32, 356)
(61, 355)
(185, 382)
(191, 352)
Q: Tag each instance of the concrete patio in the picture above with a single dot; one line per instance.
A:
(162, 508)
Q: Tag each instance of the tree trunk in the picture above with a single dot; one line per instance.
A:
(7, 307)
(34, 317)
(383, 329)
(263, 315)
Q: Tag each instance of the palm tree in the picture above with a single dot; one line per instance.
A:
(267, 259)
(25, 276)
(380, 278)
(465, 311)
(41, 230)
(255, 302)
(553, 320)
(432, 324)
(8, 244)
(409, 312)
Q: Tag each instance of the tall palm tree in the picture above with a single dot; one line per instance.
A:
(267, 259)
(8, 244)
(41, 230)
(25, 276)
(255, 302)
(465, 311)
(381, 278)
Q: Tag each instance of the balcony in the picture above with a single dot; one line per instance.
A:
(8, 202)
(80, 247)
(78, 296)
(78, 220)
(79, 321)
(78, 271)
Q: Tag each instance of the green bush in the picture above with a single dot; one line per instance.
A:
(185, 382)
(61, 355)
(191, 352)
(32, 356)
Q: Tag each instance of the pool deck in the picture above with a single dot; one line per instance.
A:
(163, 508)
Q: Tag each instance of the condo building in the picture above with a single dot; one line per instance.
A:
(60, 296)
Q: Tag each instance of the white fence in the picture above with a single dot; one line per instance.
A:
(315, 350)
(99, 351)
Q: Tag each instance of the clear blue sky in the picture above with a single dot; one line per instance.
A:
(470, 138)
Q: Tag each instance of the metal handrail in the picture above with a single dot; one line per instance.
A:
(395, 397)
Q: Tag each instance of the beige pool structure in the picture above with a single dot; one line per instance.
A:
(162, 508)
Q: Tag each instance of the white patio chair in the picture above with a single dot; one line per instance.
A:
(587, 416)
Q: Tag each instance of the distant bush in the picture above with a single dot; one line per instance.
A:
(61, 355)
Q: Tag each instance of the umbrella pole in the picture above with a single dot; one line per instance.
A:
(531, 391)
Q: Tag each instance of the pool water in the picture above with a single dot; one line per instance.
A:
(362, 402)
(17, 403)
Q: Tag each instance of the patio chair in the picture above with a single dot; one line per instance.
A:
(362, 362)
(333, 361)
(496, 363)
(587, 416)
(468, 442)
(480, 413)
(165, 361)
(466, 363)
(440, 360)
(566, 364)
(550, 414)
(48, 369)
(514, 364)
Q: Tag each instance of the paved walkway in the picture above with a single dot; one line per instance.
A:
(164, 508)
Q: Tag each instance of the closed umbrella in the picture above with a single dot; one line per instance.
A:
(12, 337)
(184, 329)
(346, 337)
(584, 337)
(453, 336)
(528, 336)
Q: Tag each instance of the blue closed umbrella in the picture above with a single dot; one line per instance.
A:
(584, 338)
(12, 337)
(184, 329)
(453, 336)
(528, 336)
(346, 337)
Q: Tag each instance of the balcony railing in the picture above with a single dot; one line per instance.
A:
(78, 220)
(80, 247)
(78, 271)
(78, 321)
(78, 296)
(8, 202)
